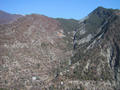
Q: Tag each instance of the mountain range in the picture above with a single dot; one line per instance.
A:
(43, 53)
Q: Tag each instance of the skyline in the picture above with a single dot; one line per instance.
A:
(68, 9)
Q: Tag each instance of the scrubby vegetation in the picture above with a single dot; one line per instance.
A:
(68, 25)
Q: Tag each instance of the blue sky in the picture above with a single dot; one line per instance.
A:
(76, 9)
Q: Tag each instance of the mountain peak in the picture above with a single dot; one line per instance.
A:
(100, 8)
(100, 11)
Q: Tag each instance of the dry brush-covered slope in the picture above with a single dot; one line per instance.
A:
(31, 49)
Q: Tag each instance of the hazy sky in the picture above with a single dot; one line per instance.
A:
(56, 8)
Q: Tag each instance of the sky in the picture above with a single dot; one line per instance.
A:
(68, 9)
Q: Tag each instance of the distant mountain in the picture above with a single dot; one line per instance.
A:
(7, 18)
(43, 53)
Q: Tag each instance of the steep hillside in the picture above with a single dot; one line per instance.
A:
(96, 54)
(32, 49)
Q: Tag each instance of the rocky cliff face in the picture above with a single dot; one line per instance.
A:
(96, 54)
(38, 52)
